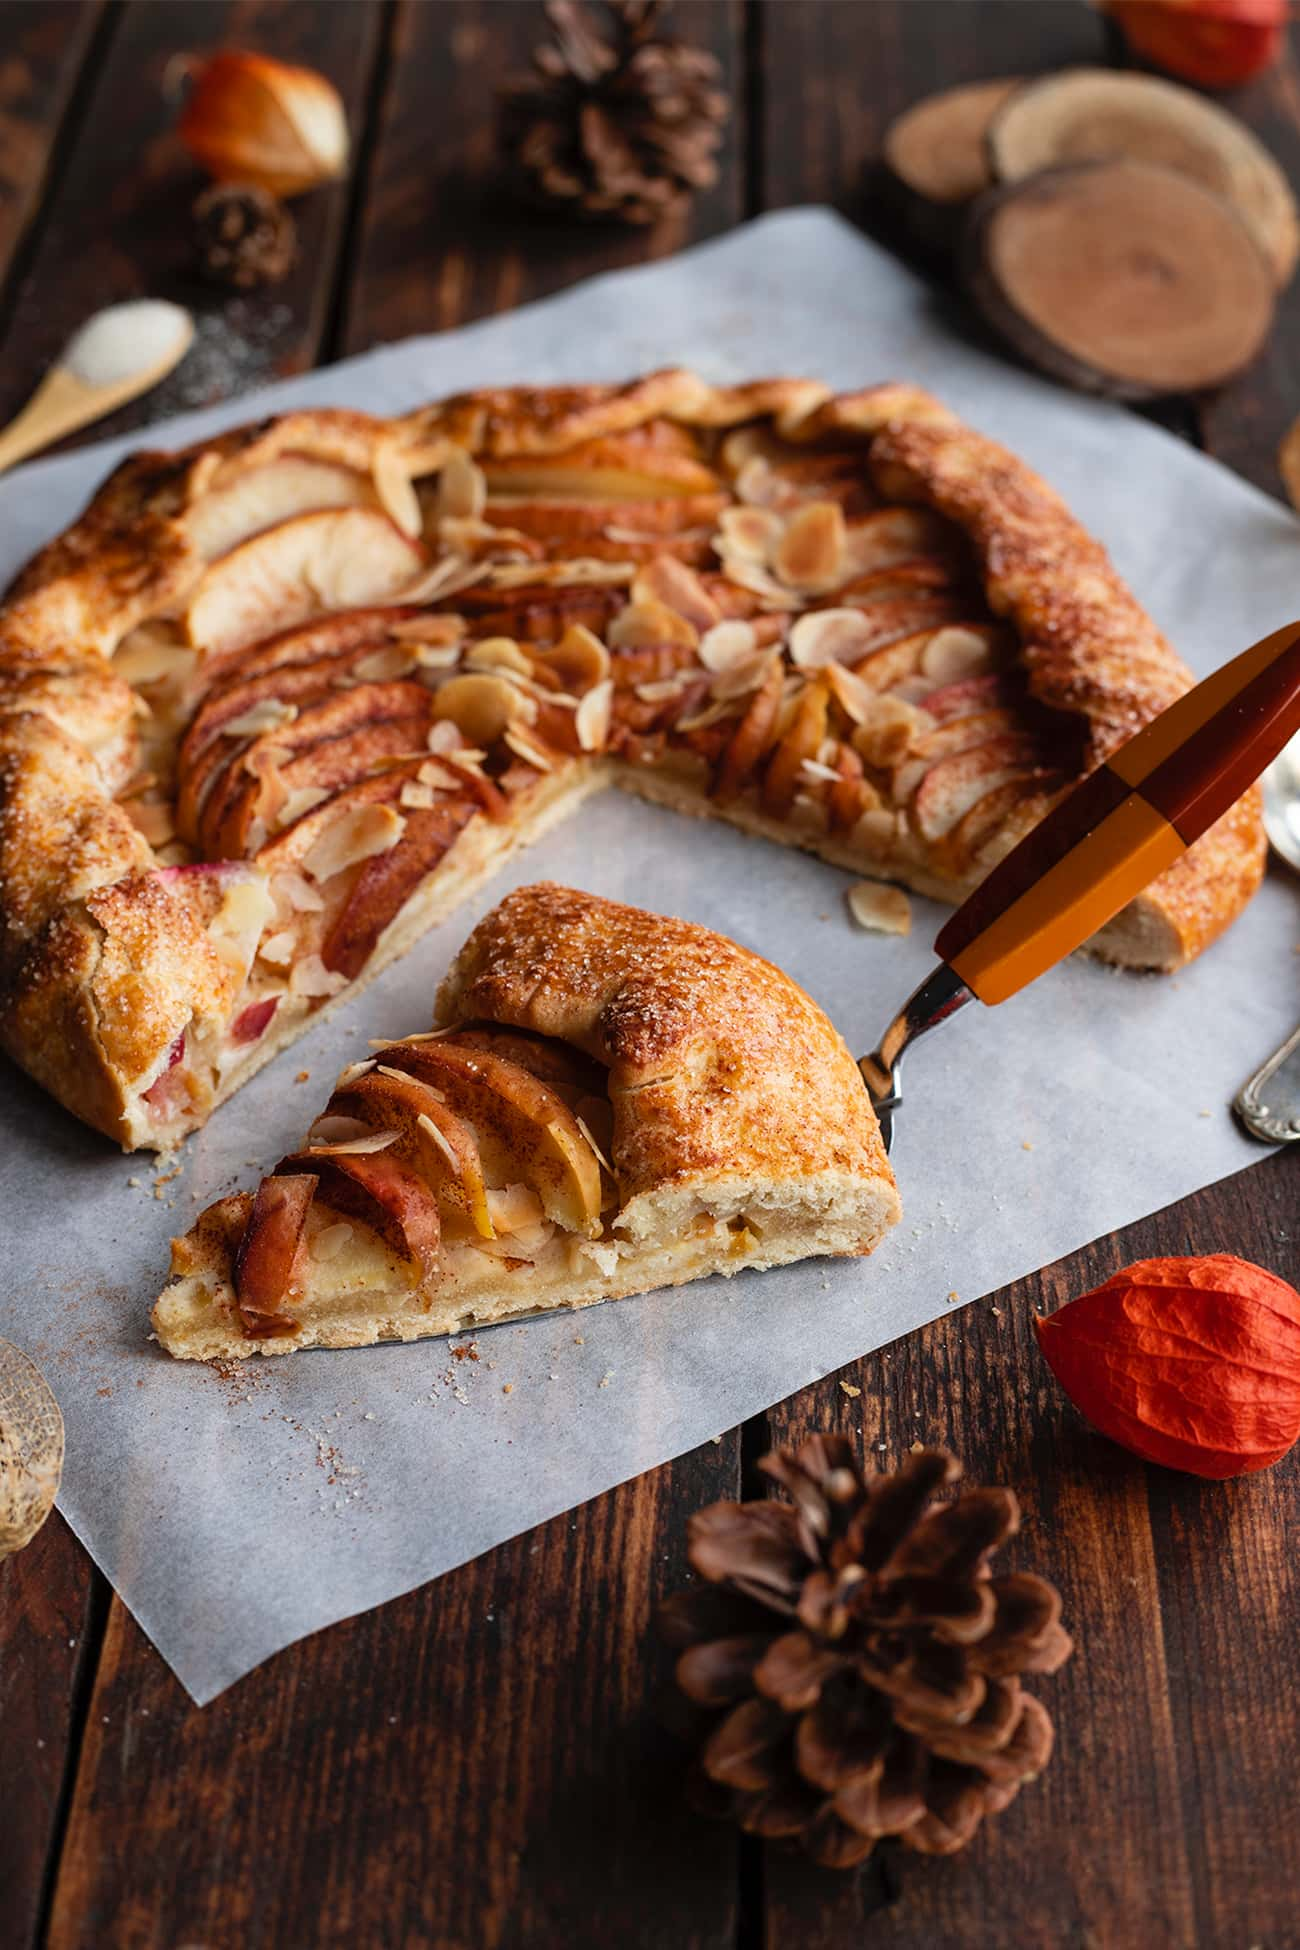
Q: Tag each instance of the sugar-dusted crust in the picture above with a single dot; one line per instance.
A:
(742, 1133)
(116, 963)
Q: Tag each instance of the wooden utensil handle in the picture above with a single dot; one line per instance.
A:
(1127, 822)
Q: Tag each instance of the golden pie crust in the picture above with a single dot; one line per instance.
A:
(734, 1131)
(278, 702)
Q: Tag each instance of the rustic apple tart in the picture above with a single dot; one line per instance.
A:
(613, 1101)
(278, 702)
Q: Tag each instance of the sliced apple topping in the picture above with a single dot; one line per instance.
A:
(954, 784)
(381, 1191)
(268, 1260)
(529, 1120)
(438, 1144)
(353, 837)
(337, 559)
(265, 496)
(387, 881)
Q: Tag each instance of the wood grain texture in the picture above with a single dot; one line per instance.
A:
(50, 1614)
(473, 1766)
(118, 224)
(442, 240)
(42, 51)
(1183, 1599)
(479, 1766)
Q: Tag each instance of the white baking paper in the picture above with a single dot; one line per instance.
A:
(234, 1515)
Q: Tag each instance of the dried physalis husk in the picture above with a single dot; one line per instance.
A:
(249, 119)
(31, 1449)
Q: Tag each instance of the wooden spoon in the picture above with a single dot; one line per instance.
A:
(117, 355)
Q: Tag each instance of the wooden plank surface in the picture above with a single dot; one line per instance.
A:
(479, 1763)
(43, 51)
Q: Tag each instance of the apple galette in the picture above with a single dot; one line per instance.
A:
(613, 1101)
(276, 703)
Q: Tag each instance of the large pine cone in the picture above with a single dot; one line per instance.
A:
(625, 127)
(855, 1659)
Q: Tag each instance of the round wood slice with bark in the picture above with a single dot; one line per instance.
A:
(1092, 114)
(935, 158)
(1122, 278)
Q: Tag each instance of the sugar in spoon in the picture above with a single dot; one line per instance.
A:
(118, 354)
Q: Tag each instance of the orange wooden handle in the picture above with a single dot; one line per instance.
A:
(1127, 822)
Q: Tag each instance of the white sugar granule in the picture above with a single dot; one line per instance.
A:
(126, 339)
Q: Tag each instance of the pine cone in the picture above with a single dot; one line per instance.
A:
(245, 236)
(625, 127)
(855, 1662)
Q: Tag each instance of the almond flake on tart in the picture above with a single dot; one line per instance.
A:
(361, 661)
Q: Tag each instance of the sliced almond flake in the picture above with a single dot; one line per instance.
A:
(579, 659)
(445, 577)
(397, 497)
(660, 692)
(352, 1071)
(877, 830)
(435, 660)
(888, 729)
(310, 977)
(748, 575)
(278, 949)
(827, 636)
(882, 909)
(523, 747)
(854, 697)
(751, 534)
(814, 768)
(593, 716)
(712, 714)
(416, 1036)
(498, 653)
(727, 644)
(295, 891)
(954, 652)
(415, 796)
(332, 1127)
(329, 1242)
(462, 487)
(759, 485)
(743, 677)
(303, 799)
(268, 714)
(438, 777)
(810, 554)
(430, 1129)
(445, 737)
(482, 703)
(585, 1128)
(355, 835)
(143, 659)
(382, 666)
(362, 1147)
(643, 624)
(666, 580)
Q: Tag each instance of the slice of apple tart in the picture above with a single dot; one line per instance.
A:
(611, 1102)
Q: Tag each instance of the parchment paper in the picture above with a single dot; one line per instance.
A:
(234, 1515)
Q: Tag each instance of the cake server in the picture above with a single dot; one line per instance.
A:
(1117, 831)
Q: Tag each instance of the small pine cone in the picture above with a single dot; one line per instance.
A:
(853, 1661)
(245, 236)
(622, 128)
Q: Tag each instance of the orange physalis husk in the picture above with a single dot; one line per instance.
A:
(1212, 43)
(1193, 1363)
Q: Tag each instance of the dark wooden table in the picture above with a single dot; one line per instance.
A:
(479, 1764)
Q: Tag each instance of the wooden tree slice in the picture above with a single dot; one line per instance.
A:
(938, 148)
(1121, 278)
(31, 1449)
(1091, 114)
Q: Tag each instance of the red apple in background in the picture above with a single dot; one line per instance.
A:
(1214, 43)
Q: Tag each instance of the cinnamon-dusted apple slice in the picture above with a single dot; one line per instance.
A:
(438, 1144)
(565, 1069)
(953, 784)
(382, 1192)
(641, 464)
(515, 1109)
(335, 559)
(294, 484)
(268, 1262)
(387, 881)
